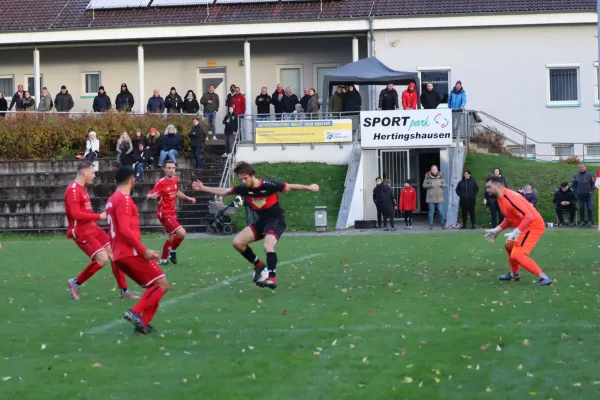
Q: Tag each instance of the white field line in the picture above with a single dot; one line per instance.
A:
(169, 302)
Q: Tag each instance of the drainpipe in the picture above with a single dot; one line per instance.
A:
(371, 53)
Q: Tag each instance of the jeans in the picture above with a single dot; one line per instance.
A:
(198, 156)
(585, 201)
(171, 154)
(440, 208)
(139, 171)
(229, 142)
(210, 119)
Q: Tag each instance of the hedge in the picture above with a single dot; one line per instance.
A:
(54, 136)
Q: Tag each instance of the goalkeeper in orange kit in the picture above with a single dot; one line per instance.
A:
(528, 227)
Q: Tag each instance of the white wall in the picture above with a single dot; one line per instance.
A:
(328, 153)
(357, 203)
(504, 73)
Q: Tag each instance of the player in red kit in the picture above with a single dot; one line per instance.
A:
(131, 256)
(87, 235)
(166, 190)
(261, 196)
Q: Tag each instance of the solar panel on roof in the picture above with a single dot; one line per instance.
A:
(115, 4)
(170, 3)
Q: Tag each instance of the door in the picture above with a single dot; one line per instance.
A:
(426, 160)
(393, 164)
(30, 87)
(217, 78)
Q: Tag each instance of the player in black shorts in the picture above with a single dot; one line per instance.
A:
(261, 195)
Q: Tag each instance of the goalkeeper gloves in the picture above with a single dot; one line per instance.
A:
(514, 235)
(492, 234)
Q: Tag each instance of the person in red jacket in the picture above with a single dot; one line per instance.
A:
(410, 99)
(407, 203)
(239, 102)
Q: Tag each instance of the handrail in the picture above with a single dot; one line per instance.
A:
(227, 175)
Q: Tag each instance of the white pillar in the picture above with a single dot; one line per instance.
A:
(248, 121)
(37, 90)
(141, 101)
(354, 49)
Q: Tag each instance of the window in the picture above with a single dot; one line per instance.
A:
(563, 85)
(91, 83)
(440, 77)
(291, 76)
(518, 151)
(319, 72)
(592, 151)
(563, 150)
(30, 83)
(597, 94)
(7, 86)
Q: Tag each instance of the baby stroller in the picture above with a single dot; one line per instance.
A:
(221, 223)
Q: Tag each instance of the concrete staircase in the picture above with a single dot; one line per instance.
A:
(31, 192)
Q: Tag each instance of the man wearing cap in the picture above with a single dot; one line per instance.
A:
(377, 197)
(565, 201)
(63, 101)
(102, 101)
(124, 101)
(458, 97)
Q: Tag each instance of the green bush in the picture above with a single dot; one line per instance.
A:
(49, 136)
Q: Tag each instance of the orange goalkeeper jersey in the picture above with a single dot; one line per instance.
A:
(518, 212)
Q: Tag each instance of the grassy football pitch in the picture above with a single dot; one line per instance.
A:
(379, 317)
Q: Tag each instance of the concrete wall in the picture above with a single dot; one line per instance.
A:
(328, 153)
(504, 73)
(357, 202)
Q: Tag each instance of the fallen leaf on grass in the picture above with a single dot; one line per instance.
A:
(407, 379)
(437, 380)
(284, 313)
(6, 378)
(157, 383)
(520, 367)
(43, 346)
(421, 384)
(334, 342)
(352, 346)
(596, 383)
(184, 380)
(530, 375)
(96, 365)
(498, 348)
(489, 389)
(533, 393)
(443, 330)
(578, 384)
(564, 336)
(526, 342)
(465, 357)
(364, 360)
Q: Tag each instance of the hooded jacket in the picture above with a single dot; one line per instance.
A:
(45, 103)
(63, 102)
(173, 102)
(313, 104)
(124, 101)
(154, 142)
(102, 102)
(388, 201)
(336, 102)
(171, 142)
(191, 106)
(434, 184)
(210, 107)
(457, 99)
(263, 104)
(410, 99)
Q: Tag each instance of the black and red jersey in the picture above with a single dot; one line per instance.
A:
(263, 198)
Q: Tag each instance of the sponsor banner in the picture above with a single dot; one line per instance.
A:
(304, 131)
(406, 128)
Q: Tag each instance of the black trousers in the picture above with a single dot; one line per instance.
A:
(388, 214)
(379, 215)
(198, 156)
(408, 218)
(467, 207)
(495, 211)
(561, 210)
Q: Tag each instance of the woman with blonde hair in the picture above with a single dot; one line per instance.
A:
(124, 149)
(434, 184)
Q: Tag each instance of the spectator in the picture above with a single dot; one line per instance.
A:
(388, 205)
(304, 99)
(336, 101)
(352, 101)
(137, 139)
(190, 104)
(239, 102)
(28, 102)
(231, 128)
(230, 95)
(263, 104)
(17, 99)
(173, 102)
(458, 97)
(124, 101)
(565, 200)
(377, 200)
(410, 99)
(388, 98)
(171, 143)
(156, 104)
(467, 190)
(408, 203)
(92, 149)
(45, 103)
(492, 203)
(434, 184)
(288, 103)
(102, 102)
(276, 100)
(124, 150)
(3, 106)
(141, 160)
(298, 113)
(430, 98)
(530, 194)
(211, 103)
(153, 143)
(313, 104)
(583, 186)
(63, 101)
(197, 139)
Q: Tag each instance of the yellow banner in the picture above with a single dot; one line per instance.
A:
(317, 131)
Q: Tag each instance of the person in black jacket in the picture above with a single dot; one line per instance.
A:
(3, 106)
(388, 204)
(352, 101)
(197, 139)
(141, 161)
(231, 128)
(492, 203)
(190, 103)
(430, 98)
(288, 103)
(171, 144)
(304, 100)
(565, 200)
(467, 190)
(388, 98)
(17, 99)
(102, 101)
(63, 101)
(173, 102)
(124, 101)
(276, 98)
(153, 145)
(377, 200)
(263, 104)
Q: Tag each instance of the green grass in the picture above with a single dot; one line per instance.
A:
(300, 206)
(543, 176)
(378, 317)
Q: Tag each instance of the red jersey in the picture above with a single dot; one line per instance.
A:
(408, 199)
(167, 195)
(78, 208)
(123, 221)
(518, 212)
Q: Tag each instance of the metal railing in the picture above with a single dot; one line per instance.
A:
(227, 178)
(82, 114)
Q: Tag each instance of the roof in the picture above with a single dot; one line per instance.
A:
(40, 15)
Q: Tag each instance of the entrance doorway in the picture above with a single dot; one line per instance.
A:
(217, 78)
(425, 160)
(393, 165)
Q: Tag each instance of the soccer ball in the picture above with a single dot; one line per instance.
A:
(264, 274)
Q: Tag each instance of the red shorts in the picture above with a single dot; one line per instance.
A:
(170, 223)
(93, 243)
(142, 271)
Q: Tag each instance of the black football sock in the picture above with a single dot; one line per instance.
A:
(249, 255)
(272, 263)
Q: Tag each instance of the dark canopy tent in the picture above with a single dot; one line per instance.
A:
(368, 71)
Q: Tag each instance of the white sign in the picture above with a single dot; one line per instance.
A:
(406, 128)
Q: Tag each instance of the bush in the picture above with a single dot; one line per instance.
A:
(50, 136)
(492, 136)
(570, 160)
